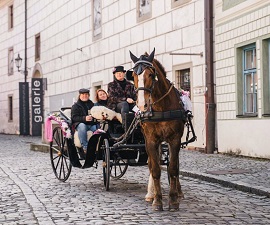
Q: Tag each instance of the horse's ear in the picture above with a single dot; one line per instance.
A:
(151, 56)
(133, 57)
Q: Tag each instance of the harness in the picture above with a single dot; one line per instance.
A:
(163, 116)
(154, 116)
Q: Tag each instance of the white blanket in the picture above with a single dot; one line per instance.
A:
(101, 113)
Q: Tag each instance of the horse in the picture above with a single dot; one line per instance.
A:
(162, 119)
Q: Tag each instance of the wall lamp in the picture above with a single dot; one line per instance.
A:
(18, 62)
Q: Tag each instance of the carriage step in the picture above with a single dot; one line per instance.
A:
(81, 154)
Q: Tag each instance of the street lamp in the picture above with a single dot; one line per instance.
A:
(18, 62)
(23, 99)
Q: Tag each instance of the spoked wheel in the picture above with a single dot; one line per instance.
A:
(106, 163)
(59, 155)
(118, 167)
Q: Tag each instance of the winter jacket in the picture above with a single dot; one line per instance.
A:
(117, 94)
(101, 103)
(79, 112)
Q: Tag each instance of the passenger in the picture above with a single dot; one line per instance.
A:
(80, 118)
(121, 93)
(101, 98)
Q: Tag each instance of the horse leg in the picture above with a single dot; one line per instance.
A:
(150, 190)
(155, 171)
(179, 189)
(149, 197)
(175, 187)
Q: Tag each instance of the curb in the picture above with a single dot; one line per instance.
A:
(40, 147)
(240, 186)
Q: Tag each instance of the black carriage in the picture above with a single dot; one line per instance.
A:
(115, 147)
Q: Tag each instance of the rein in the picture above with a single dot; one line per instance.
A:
(163, 95)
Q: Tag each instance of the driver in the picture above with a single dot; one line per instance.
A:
(121, 93)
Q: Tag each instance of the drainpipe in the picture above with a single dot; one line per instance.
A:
(25, 41)
(210, 105)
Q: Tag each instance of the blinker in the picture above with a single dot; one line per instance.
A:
(140, 66)
(138, 69)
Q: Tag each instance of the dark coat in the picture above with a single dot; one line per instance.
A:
(116, 94)
(101, 103)
(79, 112)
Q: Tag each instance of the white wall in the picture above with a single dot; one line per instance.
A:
(66, 26)
(246, 23)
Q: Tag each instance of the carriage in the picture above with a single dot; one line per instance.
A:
(115, 147)
(154, 132)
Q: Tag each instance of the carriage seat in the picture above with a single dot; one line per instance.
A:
(65, 113)
(77, 140)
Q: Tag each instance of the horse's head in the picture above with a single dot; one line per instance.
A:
(144, 78)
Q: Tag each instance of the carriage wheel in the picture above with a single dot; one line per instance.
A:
(106, 163)
(118, 167)
(59, 155)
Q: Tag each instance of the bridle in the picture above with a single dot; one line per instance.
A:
(148, 115)
(138, 69)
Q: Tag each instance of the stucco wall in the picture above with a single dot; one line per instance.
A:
(71, 59)
(236, 27)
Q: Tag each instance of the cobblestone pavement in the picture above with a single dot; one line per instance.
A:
(30, 193)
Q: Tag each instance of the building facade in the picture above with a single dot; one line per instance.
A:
(66, 45)
(72, 44)
(242, 40)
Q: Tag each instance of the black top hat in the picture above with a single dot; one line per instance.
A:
(118, 69)
(83, 90)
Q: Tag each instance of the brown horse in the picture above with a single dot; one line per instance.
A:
(162, 119)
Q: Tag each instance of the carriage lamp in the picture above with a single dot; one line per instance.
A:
(18, 62)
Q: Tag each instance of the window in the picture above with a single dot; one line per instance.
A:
(266, 77)
(176, 3)
(95, 86)
(10, 17)
(144, 10)
(227, 4)
(96, 19)
(37, 47)
(10, 108)
(250, 81)
(246, 81)
(10, 61)
(183, 79)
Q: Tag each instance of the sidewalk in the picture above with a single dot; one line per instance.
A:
(242, 173)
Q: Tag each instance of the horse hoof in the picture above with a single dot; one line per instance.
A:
(149, 199)
(173, 207)
(157, 207)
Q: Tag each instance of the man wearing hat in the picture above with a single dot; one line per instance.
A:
(80, 118)
(121, 93)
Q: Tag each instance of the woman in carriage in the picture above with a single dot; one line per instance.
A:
(101, 98)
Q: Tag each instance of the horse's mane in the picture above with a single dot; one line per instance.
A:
(158, 65)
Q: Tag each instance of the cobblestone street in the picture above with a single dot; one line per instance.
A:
(30, 194)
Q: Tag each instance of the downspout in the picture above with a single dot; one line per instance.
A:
(210, 104)
(25, 42)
